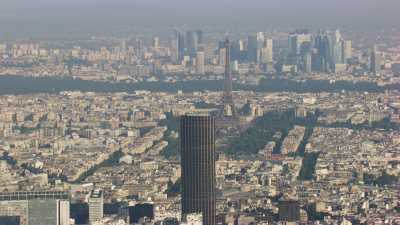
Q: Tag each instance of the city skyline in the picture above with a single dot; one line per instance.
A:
(185, 112)
(43, 18)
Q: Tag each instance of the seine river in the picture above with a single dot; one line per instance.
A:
(27, 85)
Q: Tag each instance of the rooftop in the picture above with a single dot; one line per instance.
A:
(30, 195)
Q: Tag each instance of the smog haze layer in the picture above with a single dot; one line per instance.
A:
(57, 18)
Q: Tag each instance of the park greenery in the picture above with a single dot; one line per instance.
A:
(265, 128)
(263, 131)
(171, 136)
(307, 171)
(174, 188)
(112, 160)
(9, 159)
(382, 180)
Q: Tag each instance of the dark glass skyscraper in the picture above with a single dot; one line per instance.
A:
(192, 43)
(198, 165)
(180, 45)
(375, 61)
(252, 46)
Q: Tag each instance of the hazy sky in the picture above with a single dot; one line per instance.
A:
(25, 16)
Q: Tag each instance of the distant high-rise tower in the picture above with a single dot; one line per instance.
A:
(199, 34)
(197, 133)
(375, 61)
(221, 57)
(156, 42)
(180, 45)
(299, 44)
(260, 44)
(307, 64)
(347, 51)
(229, 109)
(267, 56)
(200, 58)
(267, 53)
(336, 48)
(323, 54)
(252, 48)
(192, 42)
(139, 48)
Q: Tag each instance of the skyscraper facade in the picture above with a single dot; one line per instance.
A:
(197, 133)
(180, 45)
(192, 43)
(222, 57)
(331, 51)
(199, 34)
(252, 48)
(156, 42)
(200, 61)
(375, 61)
(307, 63)
(299, 44)
(336, 47)
(322, 60)
(347, 50)
(260, 44)
(267, 52)
(44, 208)
(95, 206)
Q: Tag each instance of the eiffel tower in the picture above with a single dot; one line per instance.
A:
(228, 112)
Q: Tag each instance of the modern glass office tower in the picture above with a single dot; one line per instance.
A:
(198, 165)
(36, 207)
(96, 206)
